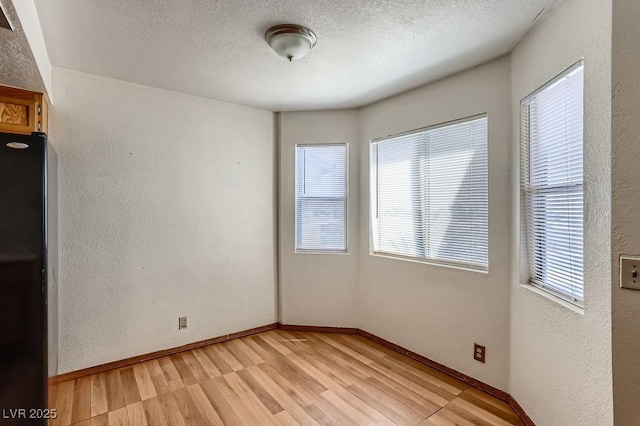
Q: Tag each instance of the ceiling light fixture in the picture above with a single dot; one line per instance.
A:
(291, 41)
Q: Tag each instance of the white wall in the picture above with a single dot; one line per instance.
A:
(436, 311)
(560, 359)
(167, 208)
(625, 182)
(317, 289)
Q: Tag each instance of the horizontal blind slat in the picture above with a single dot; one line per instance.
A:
(321, 197)
(429, 194)
(552, 185)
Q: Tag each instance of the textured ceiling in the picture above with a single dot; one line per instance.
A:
(367, 49)
(17, 66)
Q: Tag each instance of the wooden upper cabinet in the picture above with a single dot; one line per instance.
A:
(23, 111)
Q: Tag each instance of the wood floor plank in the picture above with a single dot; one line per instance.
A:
(328, 412)
(101, 420)
(425, 393)
(347, 409)
(297, 343)
(423, 373)
(427, 384)
(278, 378)
(250, 399)
(187, 376)
(130, 386)
(119, 417)
(136, 415)
(354, 342)
(346, 362)
(235, 401)
(275, 344)
(393, 410)
(413, 363)
(64, 404)
(318, 415)
(288, 342)
(217, 360)
(350, 368)
(228, 358)
(318, 362)
(171, 373)
(265, 397)
(260, 347)
(286, 419)
(170, 410)
(409, 398)
(188, 408)
(283, 398)
(296, 375)
(335, 342)
(81, 400)
(427, 422)
(220, 403)
(158, 381)
(452, 415)
(328, 382)
(301, 396)
(209, 368)
(244, 353)
(115, 391)
(99, 402)
(481, 412)
(153, 412)
(204, 407)
(194, 365)
(490, 403)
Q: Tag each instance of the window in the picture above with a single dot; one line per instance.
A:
(552, 185)
(429, 194)
(321, 198)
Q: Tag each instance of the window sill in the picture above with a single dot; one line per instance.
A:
(432, 263)
(319, 252)
(553, 298)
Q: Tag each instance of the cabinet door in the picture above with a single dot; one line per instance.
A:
(18, 115)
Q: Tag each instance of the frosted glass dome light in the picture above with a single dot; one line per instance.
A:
(291, 41)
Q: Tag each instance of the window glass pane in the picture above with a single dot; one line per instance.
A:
(552, 185)
(321, 197)
(429, 193)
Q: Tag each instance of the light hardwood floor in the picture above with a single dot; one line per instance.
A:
(279, 378)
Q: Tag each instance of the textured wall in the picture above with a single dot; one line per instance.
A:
(436, 311)
(625, 182)
(560, 359)
(317, 289)
(165, 201)
(18, 67)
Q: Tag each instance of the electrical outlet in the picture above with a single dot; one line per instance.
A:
(182, 323)
(479, 352)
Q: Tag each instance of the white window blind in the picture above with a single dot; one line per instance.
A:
(552, 185)
(321, 198)
(429, 194)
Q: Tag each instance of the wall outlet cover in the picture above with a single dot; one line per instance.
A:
(182, 323)
(479, 352)
(630, 272)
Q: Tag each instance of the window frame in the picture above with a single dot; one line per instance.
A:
(524, 152)
(373, 203)
(346, 200)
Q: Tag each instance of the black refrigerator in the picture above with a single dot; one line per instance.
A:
(28, 277)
